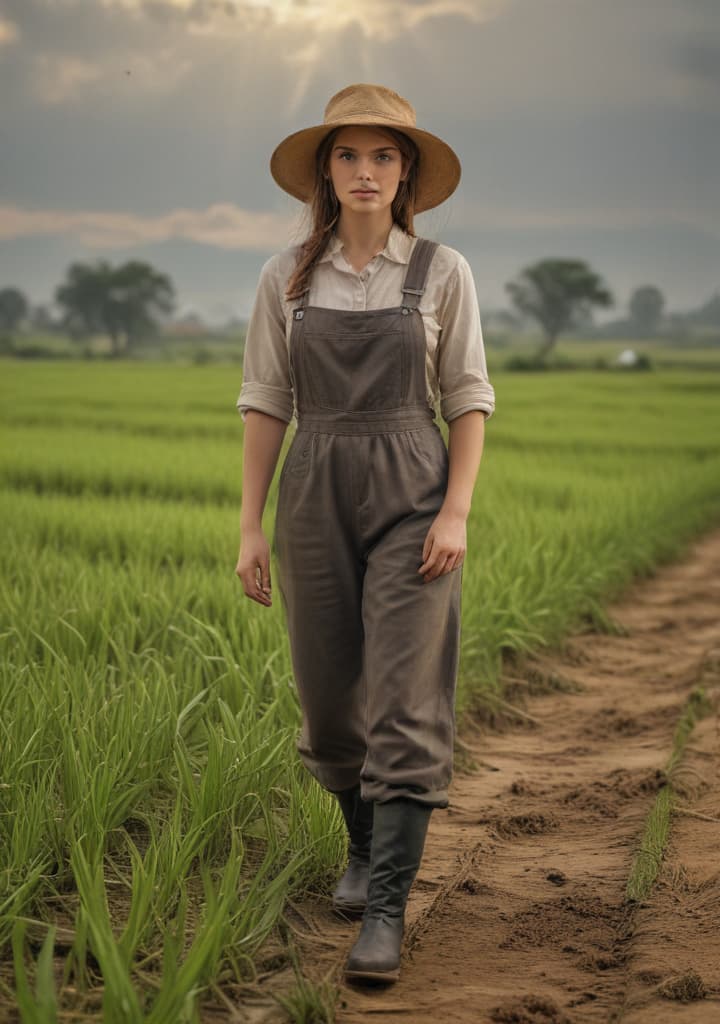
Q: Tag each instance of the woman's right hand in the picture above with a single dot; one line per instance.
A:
(263, 440)
(253, 566)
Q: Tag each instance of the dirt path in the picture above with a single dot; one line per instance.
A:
(518, 913)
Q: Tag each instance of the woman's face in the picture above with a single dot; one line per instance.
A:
(365, 168)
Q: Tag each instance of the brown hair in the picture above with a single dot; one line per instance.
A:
(325, 207)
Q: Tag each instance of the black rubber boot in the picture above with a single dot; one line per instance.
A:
(350, 896)
(398, 841)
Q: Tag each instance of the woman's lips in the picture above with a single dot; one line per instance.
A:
(364, 192)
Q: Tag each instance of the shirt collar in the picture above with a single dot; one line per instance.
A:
(397, 247)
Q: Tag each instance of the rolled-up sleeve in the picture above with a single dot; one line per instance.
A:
(266, 384)
(462, 369)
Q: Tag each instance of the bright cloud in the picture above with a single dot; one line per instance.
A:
(9, 32)
(59, 78)
(227, 226)
(379, 19)
(222, 225)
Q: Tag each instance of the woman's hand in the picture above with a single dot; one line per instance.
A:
(263, 438)
(253, 566)
(445, 545)
(446, 540)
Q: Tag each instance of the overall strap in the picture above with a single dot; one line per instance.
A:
(414, 285)
(299, 307)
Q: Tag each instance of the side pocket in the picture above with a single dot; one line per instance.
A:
(432, 446)
(299, 455)
(289, 456)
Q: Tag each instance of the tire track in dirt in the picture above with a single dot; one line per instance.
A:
(519, 911)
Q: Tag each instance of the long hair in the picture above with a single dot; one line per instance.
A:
(325, 207)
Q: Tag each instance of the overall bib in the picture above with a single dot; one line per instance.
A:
(375, 649)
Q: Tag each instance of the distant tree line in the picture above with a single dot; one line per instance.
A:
(128, 303)
(125, 303)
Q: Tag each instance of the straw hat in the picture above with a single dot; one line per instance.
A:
(292, 164)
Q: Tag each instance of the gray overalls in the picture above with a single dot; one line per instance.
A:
(375, 649)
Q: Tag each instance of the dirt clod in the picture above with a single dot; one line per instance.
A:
(520, 787)
(611, 720)
(474, 886)
(523, 824)
(556, 877)
(529, 1010)
(685, 987)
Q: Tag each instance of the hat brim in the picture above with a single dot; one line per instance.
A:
(292, 163)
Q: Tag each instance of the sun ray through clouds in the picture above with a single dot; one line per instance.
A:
(378, 19)
(313, 24)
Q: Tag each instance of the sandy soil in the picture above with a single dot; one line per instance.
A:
(519, 911)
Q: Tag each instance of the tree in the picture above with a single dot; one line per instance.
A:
(559, 294)
(13, 309)
(646, 307)
(122, 301)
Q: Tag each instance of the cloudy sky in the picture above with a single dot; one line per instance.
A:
(143, 129)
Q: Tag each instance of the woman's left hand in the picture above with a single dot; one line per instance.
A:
(445, 545)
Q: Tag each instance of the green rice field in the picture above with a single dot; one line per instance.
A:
(154, 816)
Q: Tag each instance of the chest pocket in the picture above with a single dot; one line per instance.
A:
(356, 370)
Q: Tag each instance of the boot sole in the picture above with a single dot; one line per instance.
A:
(360, 975)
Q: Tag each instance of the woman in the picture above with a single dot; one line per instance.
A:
(357, 332)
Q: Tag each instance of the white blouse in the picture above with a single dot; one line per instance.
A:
(455, 365)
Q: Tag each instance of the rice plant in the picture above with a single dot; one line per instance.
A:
(154, 816)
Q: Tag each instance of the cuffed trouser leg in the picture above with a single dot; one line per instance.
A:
(320, 582)
(412, 650)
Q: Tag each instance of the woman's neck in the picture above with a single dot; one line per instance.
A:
(362, 237)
